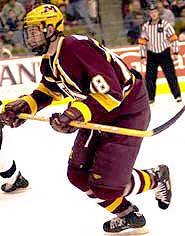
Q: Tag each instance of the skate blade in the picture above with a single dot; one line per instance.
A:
(131, 232)
(18, 190)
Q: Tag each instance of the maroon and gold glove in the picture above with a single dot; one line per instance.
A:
(12, 110)
(60, 122)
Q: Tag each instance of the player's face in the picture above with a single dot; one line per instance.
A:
(154, 14)
(35, 37)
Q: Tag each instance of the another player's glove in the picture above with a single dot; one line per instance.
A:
(60, 122)
(12, 110)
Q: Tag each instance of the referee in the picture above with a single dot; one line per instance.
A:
(156, 38)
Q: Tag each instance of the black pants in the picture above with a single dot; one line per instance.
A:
(163, 59)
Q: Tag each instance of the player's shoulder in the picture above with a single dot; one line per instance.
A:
(74, 40)
(75, 44)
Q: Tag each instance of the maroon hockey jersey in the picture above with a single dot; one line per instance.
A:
(83, 69)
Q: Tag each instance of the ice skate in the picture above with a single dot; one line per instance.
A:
(131, 224)
(163, 190)
(178, 99)
(19, 183)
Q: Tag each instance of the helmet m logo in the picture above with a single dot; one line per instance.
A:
(49, 8)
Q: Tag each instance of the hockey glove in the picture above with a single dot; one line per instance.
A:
(60, 122)
(12, 110)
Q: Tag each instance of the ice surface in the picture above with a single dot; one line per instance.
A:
(53, 207)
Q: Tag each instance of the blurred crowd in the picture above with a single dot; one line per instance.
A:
(84, 12)
(12, 12)
(135, 13)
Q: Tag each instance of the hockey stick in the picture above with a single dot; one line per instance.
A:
(114, 129)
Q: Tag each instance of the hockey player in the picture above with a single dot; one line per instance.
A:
(105, 91)
(8, 170)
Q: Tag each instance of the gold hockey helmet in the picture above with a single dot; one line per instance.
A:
(37, 36)
(45, 15)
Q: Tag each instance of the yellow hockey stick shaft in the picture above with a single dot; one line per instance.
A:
(100, 127)
(114, 129)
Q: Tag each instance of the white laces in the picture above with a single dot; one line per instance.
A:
(161, 192)
(116, 222)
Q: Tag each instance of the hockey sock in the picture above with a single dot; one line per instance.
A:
(141, 181)
(115, 206)
(10, 174)
(119, 206)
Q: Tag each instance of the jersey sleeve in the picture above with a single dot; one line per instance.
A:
(46, 92)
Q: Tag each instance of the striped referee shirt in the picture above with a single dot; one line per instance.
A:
(157, 37)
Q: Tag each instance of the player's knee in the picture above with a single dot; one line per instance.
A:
(105, 193)
(78, 177)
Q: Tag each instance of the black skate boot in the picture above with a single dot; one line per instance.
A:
(163, 190)
(132, 223)
(20, 182)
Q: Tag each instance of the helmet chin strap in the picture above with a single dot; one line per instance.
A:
(54, 36)
(40, 50)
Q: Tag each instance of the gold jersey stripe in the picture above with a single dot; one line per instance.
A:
(56, 65)
(55, 61)
(56, 96)
(96, 42)
(84, 109)
(58, 49)
(106, 100)
(147, 180)
(31, 102)
(108, 55)
(68, 80)
(114, 205)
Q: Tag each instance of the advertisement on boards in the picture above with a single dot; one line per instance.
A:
(20, 76)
